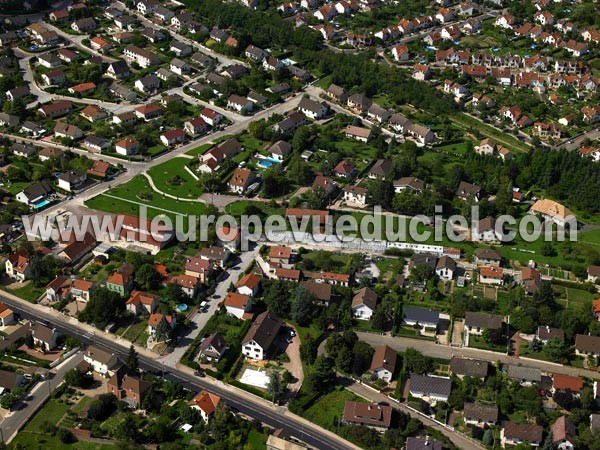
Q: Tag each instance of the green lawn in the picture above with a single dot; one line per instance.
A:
(506, 140)
(27, 291)
(325, 411)
(135, 330)
(126, 199)
(256, 441)
(172, 178)
(198, 150)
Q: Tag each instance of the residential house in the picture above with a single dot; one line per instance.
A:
(526, 376)
(140, 301)
(430, 388)
(212, 348)
(96, 144)
(593, 273)
(477, 322)
(128, 388)
(180, 49)
(487, 257)
(258, 342)
(127, 147)
(118, 70)
(249, 285)
(173, 137)
(35, 194)
(100, 45)
(149, 111)
(155, 319)
(102, 361)
(411, 184)
(280, 254)
(77, 249)
(359, 103)
(400, 52)
(239, 103)
(445, 268)
(514, 434)
(7, 316)
(189, 284)
(356, 194)
(381, 169)
(199, 268)
(93, 113)
(480, 415)
(279, 150)
(84, 25)
(241, 180)
(148, 84)
(545, 333)
(383, 363)
(468, 191)
(358, 133)
(344, 169)
(43, 337)
(205, 403)
(142, 56)
(564, 433)
(17, 93)
(55, 109)
(337, 93)
(566, 383)
(313, 109)
(120, 282)
(371, 415)
(378, 114)
(10, 380)
(54, 77)
(319, 291)
(426, 320)
(553, 211)
(587, 345)
(364, 303)
(238, 305)
(465, 367)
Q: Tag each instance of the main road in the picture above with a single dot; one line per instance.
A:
(237, 399)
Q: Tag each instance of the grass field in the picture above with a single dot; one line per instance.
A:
(164, 176)
(126, 199)
(198, 150)
(465, 121)
(27, 291)
(328, 408)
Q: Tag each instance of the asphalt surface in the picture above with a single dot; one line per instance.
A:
(237, 399)
(23, 411)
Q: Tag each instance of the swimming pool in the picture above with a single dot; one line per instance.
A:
(41, 204)
(181, 307)
(266, 162)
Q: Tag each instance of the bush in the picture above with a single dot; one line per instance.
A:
(65, 436)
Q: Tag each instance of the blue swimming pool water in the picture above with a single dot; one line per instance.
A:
(182, 307)
(41, 204)
(266, 164)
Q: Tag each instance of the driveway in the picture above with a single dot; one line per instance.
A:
(294, 366)
(200, 319)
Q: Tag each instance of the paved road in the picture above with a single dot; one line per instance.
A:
(236, 398)
(577, 142)
(199, 320)
(441, 351)
(37, 396)
(457, 439)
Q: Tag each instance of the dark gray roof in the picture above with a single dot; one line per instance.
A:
(381, 168)
(524, 373)
(201, 59)
(428, 385)
(37, 190)
(469, 367)
(422, 316)
(264, 330)
(119, 67)
(483, 320)
(413, 443)
(481, 412)
(26, 149)
(424, 259)
(280, 88)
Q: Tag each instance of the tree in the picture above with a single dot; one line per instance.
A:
(557, 350)
(163, 330)
(322, 377)
(76, 378)
(65, 436)
(132, 359)
(103, 407)
(7, 401)
(380, 319)
(417, 363)
(147, 277)
(302, 307)
(175, 293)
(276, 297)
(126, 430)
(104, 307)
(274, 388)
